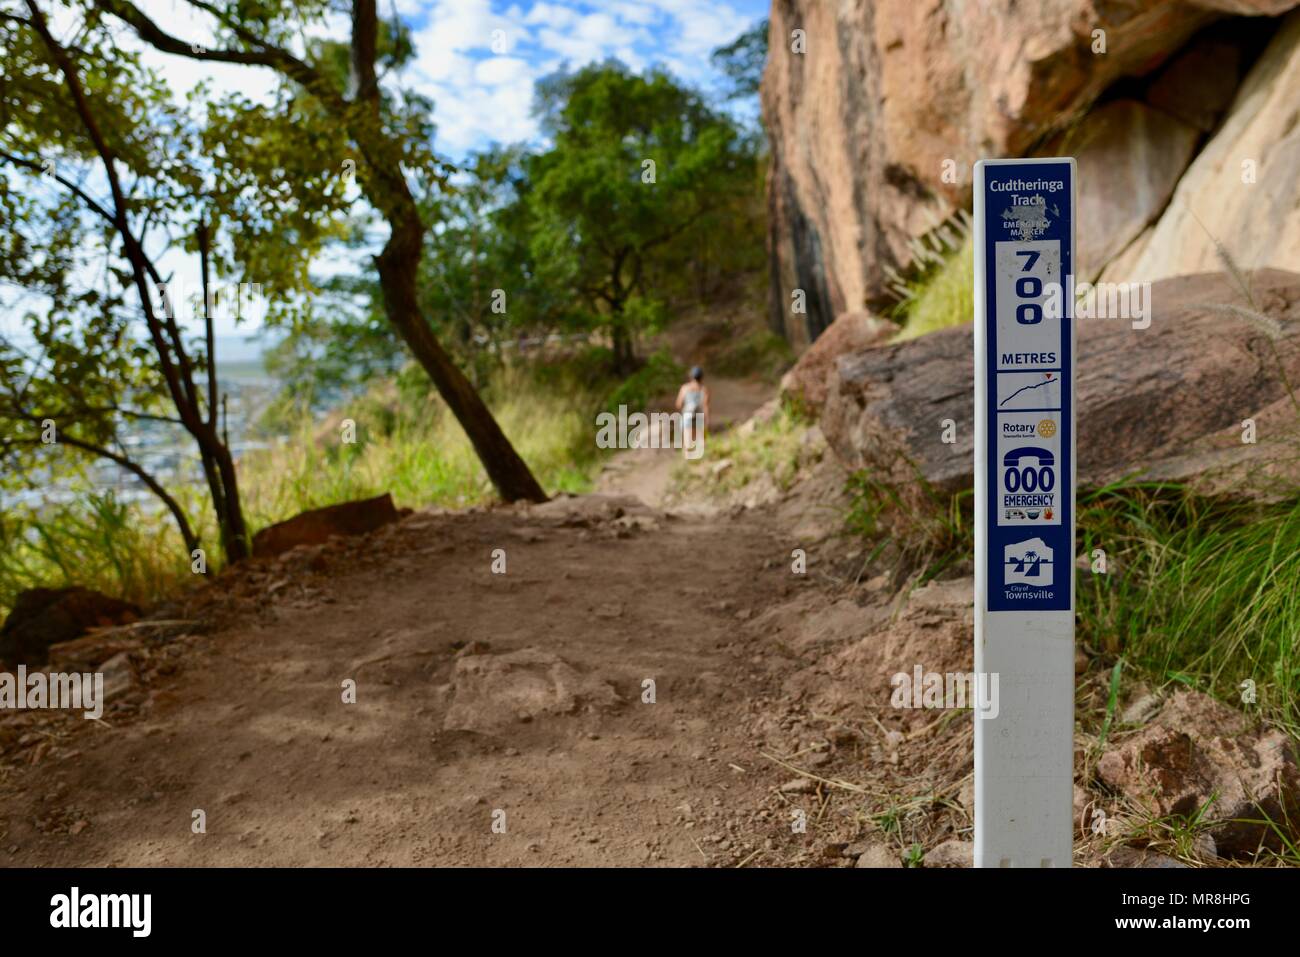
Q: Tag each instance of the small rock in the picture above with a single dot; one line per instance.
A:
(119, 676)
(878, 855)
(951, 853)
(799, 786)
(1200, 751)
(966, 796)
(1141, 710)
(1141, 857)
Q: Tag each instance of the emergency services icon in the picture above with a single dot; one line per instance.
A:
(1028, 563)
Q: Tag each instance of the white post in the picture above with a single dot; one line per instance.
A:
(1024, 510)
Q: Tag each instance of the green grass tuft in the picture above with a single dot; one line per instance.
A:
(942, 297)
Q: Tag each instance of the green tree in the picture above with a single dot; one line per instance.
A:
(109, 355)
(352, 129)
(638, 166)
(742, 61)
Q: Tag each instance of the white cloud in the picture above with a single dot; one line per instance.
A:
(498, 70)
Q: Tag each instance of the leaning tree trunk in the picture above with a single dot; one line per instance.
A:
(398, 264)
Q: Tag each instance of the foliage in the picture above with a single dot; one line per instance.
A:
(660, 375)
(408, 443)
(1196, 592)
(760, 353)
(943, 296)
(639, 167)
(742, 61)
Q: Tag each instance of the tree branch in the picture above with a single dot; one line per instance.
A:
(191, 540)
(266, 54)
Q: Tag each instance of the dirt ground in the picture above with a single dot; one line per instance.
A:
(553, 756)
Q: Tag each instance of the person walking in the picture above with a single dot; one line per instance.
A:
(693, 404)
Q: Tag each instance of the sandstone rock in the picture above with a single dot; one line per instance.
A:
(1195, 374)
(951, 853)
(493, 693)
(878, 855)
(1198, 84)
(850, 332)
(319, 525)
(1244, 186)
(1138, 153)
(1199, 750)
(586, 511)
(83, 654)
(1139, 857)
(876, 122)
(42, 617)
(119, 676)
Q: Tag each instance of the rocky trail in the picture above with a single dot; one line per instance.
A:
(573, 683)
(476, 693)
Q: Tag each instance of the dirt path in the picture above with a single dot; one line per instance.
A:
(251, 728)
(646, 473)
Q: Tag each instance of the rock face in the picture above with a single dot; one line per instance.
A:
(318, 525)
(877, 111)
(1199, 750)
(493, 693)
(46, 616)
(1166, 402)
(851, 332)
(1243, 189)
(1139, 153)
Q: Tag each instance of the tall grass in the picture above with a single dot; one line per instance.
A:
(944, 297)
(412, 446)
(1198, 593)
(407, 443)
(1194, 592)
(101, 542)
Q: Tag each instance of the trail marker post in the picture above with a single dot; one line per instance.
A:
(1024, 510)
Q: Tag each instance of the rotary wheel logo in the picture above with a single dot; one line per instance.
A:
(1047, 428)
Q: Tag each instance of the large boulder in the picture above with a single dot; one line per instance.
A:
(806, 382)
(1243, 189)
(1165, 402)
(876, 113)
(319, 525)
(42, 617)
(1199, 752)
(1138, 153)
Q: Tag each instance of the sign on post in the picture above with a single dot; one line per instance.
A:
(1024, 510)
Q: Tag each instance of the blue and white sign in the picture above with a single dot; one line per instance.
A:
(1027, 237)
(1024, 510)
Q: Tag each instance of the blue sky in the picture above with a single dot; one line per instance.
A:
(479, 59)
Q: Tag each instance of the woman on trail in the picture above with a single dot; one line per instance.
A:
(693, 404)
